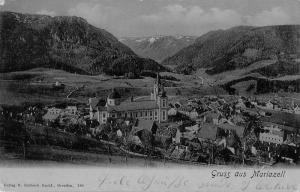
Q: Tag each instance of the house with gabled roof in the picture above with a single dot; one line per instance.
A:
(142, 124)
(273, 133)
(297, 110)
(207, 132)
(239, 130)
(172, 111)
(188, 111)
(211, 117)
(51, 117)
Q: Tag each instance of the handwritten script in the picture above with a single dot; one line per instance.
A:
(257, 180)
(213, 179)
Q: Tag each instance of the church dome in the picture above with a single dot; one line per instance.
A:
(114, 95)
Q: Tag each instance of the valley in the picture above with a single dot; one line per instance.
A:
(74, 93)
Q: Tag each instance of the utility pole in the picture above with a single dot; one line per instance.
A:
(24, 141)
(126, 155)
(243, 154)
(212, 154)
(109, 154)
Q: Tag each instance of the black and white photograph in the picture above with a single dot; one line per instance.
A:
(134, 86)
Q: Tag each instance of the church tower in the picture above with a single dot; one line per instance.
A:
(113, 98)
(156, 88)
(160, 96)
(162, 102)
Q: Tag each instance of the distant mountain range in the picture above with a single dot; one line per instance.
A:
(158, 48)
(69, 43)
(238, 48)
(237, 58)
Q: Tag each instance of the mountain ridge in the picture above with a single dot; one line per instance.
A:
(158, 47)
(65, 42)
(237, 47)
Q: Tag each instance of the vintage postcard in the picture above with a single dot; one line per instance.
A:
(149, 95)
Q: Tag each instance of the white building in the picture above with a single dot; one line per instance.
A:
(189, 111)
(154, 109)
(269, 105)
(71, 110)
(54, 110)
(172, 111)
(297, 110)
(52, 114)
(273, 134)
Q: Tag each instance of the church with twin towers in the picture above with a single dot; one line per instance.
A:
(155, 108)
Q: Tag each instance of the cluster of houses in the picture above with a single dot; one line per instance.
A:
(216, 123)
(64, 114)
(217, 129)
(227, 128)
(274, 105)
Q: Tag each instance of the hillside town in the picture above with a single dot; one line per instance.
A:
(226, 130)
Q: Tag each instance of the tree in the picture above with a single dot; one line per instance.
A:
(250, 87)
(254, 124)
(147, 139)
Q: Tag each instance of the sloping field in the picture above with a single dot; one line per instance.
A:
(235, 74)
(35, 85)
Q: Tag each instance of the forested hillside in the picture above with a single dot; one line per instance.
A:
(69, 43)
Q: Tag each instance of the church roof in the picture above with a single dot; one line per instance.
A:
(133, 106)
(96, 102)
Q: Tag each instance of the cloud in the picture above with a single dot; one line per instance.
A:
(96, 14)
(275, 16)
(46, 12)
(173, 18)
(2, 2)
(192, 20)
(196, 20)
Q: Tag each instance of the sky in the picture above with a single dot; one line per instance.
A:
(137, 18)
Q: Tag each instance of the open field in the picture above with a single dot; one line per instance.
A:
(288, 77)
(235, 74)
(36, 86)
(69, 158)
(55, 156)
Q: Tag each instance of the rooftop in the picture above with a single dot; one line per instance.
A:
(186, 108)
(208, 131)
(282, 127)
(50, 116)
(143, 125)
(133, 106)
(283, 118)
(212, 114)
(96, 102)
(238, 129)
(114, 95)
